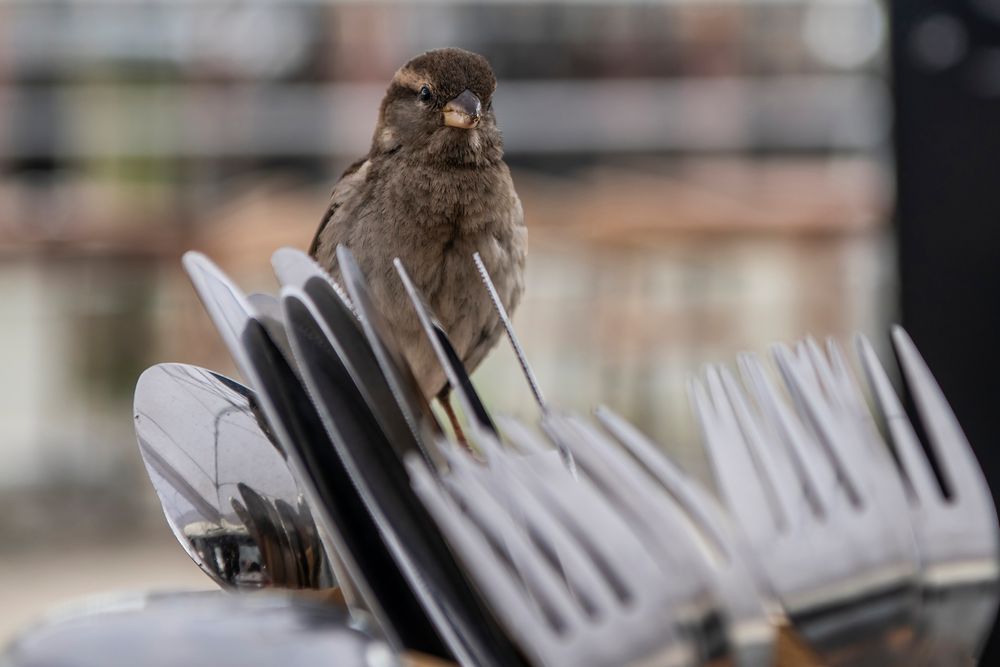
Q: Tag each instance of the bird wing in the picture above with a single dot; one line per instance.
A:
(345, 188)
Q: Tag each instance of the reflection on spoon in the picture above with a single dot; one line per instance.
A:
(224, 485)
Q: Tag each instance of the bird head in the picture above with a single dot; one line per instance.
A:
(439, 109)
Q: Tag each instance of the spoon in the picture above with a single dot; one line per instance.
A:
(369, 576)
(209, 455)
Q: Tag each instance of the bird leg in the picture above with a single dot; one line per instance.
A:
(444, 398)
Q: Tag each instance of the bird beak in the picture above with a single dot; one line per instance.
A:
(464, 111)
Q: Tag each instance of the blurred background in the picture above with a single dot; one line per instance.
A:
(699, 177)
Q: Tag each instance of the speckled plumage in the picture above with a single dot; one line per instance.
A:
(432, 195)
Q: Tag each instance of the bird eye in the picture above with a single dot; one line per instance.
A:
(425, 93)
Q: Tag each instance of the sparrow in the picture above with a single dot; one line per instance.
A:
(433, 190)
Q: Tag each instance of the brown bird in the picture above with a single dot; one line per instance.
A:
(433, 190)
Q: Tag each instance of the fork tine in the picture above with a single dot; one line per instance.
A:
(692, 496)
(857, 406)
(503, 482)
(855, 403)
(837, 446)
(849, 407)
(828, 380)
(596, 527)
(808, 370)
(641, 447)
(508, 326)
(629, 489)
(496, 517)
(917, 475)
(745, 598)
(530, 442)
(771, 466)
(521, 436)
(731, 461)
(803, 352)
(955, 458)
(492, 575)
(818, 479)
(570, 428)
(569, 435)
(850, 391)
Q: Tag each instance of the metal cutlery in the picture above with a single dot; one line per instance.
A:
(603, 554)
(406, 430)
(394, 366)
(454, 369)
(811, 507)
(522, 359)
(714, 594)
(605, 600)
(207, 449)
(748, 605)
(367, 571)
(746, 632)
(957, 533)
(381, 479)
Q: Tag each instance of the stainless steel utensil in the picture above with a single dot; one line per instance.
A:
(560, 568)
(747, 635)
(458, 377)
(407, 430)
(715, 597)
(369, 574)
(394, 366)
(811, 506)
(957, 533)
(748, 605)
(522, 359)
(381, 479)
(206, 448)
(213, 628)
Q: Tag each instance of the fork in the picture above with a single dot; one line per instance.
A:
(719, 603)
(957, 533)
(748, 607)
(746, 631)
(809, 503)
(560, 567)
(958, 584)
